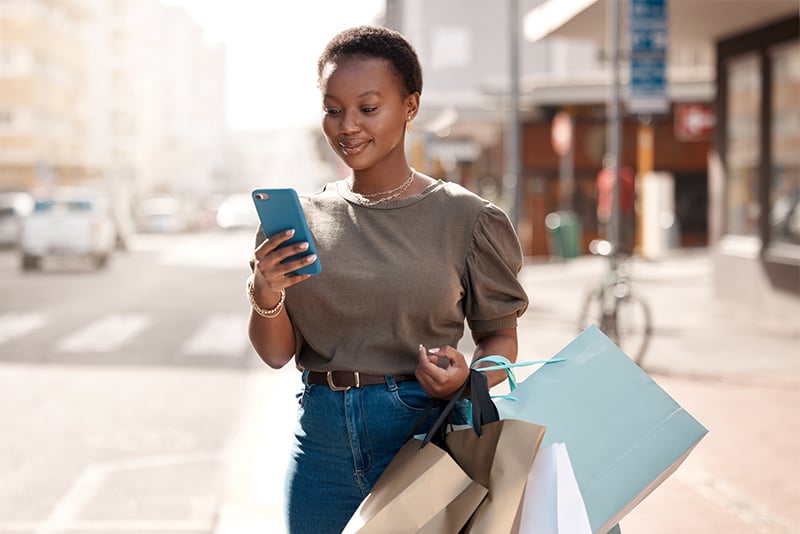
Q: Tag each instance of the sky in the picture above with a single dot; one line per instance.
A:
(272, 50)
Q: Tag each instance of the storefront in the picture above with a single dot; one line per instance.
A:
(754, 160)
(756, 175)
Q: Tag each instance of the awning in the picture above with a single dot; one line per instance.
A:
(704, 21)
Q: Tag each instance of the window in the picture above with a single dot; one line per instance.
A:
(743, 145)
(785, 184)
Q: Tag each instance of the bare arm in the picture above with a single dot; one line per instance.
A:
(273, 337)
(497, 342)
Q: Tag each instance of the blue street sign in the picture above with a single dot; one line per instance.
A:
(648, 41)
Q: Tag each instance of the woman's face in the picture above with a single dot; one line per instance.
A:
(365, 108)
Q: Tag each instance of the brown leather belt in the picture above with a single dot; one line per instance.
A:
(344, 380)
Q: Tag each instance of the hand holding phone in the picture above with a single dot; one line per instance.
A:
(280, 210)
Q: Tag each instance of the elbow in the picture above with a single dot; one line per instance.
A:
(275, 363)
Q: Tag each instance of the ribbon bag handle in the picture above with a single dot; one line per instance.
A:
(501, 363)
(484, 410)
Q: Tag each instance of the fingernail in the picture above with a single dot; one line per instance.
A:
(433, 350)
(290, 233)
(311, 257)
(302, 246)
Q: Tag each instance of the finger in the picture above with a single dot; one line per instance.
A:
(288, 269)
(428, 360)
(274, 260)
(445, 358)
(273, 242)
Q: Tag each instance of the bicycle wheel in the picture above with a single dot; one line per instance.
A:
(633, 327)
(591, 312)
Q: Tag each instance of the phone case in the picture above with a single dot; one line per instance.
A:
(279, 210)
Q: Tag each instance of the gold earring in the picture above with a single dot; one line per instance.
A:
(408, 124)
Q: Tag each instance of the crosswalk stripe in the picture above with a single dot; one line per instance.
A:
(220, 335)
(18, 324)
(106, 334)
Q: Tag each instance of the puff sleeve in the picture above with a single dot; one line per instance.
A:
(494, 298)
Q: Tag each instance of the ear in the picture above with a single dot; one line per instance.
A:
(412, 105)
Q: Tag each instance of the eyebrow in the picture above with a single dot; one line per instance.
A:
(365, 93)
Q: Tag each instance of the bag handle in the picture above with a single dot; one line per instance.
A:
(501, 363)
(484, 410)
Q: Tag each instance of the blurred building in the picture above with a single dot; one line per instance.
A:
(754, 159)
(464, 122)
(43, 69)
(124, 92)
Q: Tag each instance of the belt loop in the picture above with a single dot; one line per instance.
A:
(391, 383)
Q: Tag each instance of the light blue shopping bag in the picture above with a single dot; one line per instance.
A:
(625, 435)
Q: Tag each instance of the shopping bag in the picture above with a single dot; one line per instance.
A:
(553, 503)
(624, 433)
(422, 490)
(499, 459)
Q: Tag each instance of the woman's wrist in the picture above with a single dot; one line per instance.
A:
(271, 312)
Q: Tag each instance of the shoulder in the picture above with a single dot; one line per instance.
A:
(484, 210)
(459, 202)
(460, 194)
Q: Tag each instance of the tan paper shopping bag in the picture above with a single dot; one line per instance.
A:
(423, 490)
(500, 459)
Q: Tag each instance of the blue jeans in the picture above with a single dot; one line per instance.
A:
(343, 442)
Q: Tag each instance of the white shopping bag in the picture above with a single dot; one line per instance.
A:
(553, 503)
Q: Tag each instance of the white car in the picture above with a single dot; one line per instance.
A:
(162, 215)
(71, 223)
(237, 212)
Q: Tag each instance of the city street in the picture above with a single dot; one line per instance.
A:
(121, 388)
(133, 403)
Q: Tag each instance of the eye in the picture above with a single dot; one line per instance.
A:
(331, 111)
(369, 109)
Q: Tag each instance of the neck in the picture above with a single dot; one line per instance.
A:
(367, 187)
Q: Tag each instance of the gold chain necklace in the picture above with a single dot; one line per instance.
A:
(370, 200)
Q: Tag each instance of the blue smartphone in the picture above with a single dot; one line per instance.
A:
(280, 210)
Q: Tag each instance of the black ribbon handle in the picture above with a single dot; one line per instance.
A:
(484, 410)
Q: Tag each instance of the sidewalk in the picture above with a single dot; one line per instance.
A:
(741, 381)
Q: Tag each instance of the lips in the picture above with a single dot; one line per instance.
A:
(353, 146)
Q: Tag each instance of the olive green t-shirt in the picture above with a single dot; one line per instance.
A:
(402, 273)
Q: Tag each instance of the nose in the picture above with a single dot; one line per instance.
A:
(349, 122)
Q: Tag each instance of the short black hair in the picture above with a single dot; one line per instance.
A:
(380, 43)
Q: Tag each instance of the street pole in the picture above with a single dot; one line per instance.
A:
(512, 177)
(613, 145)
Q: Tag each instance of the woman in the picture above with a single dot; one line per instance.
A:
(405, 260)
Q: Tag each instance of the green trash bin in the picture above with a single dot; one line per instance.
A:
(563, 234)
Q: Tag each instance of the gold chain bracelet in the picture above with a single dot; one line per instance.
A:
(270, 313)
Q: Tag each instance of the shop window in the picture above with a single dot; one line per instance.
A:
(743, 144)
(785, 185)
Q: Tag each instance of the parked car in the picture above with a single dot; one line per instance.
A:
(73, 222)
(237, 211)
(163, 215)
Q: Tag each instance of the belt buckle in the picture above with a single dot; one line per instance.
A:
(334, 387)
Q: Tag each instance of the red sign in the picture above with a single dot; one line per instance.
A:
(694, 122)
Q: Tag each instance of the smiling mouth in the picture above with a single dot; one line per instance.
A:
(351, 148)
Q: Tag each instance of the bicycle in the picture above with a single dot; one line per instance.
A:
(614, 309)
